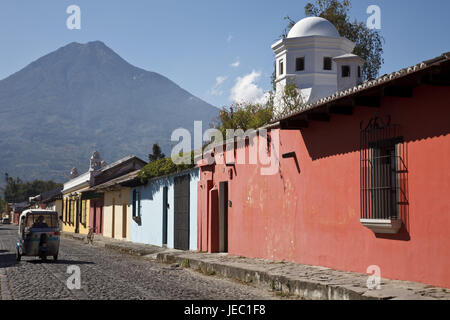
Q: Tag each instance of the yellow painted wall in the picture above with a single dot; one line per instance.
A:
(84, 223)
(116, 211)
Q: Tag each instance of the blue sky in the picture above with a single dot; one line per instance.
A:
(195, 42)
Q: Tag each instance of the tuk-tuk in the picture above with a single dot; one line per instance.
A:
(38, 234)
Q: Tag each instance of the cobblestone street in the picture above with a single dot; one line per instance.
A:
(107, 274)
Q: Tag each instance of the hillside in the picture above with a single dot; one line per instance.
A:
(81, 97)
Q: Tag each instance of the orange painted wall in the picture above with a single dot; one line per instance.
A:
(312, 216)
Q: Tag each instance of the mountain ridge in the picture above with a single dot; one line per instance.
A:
(83, 97)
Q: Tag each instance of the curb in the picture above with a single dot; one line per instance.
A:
(120, 247)
(282, 285)
(302, 289)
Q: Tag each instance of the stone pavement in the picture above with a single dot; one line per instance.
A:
(108, 275)
(286, 279)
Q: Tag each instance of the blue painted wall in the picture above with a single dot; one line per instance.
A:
(151, 229)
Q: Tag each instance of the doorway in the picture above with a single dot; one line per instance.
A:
(223, 217)
(165, 209)
(113, 216)
(124, 220)
(181, 212)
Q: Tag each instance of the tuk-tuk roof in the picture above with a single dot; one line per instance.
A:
(36, 211)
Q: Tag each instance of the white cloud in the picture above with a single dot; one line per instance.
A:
(236, 64)
(247, 90)
(215, 90)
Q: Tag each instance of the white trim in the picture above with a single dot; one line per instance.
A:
(387, 226)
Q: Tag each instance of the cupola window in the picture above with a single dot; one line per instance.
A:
(327, 63)
(300, 64)
(281, 67)
(345, 71)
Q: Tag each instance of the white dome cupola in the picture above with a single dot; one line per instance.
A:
(306, 57)
(313, 26)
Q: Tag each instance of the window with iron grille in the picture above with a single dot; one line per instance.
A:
(72, 211)
(66, 213)
(383, 171)
(69, 220)
(84, 210)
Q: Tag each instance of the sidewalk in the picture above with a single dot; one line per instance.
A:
(307, 282)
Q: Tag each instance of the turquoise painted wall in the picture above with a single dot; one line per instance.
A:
(151, 229)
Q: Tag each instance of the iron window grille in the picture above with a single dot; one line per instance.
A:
(70, 211)
(84, 210)
(66, 213)
(383, 171)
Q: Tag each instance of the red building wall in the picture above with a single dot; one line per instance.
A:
(310, 214)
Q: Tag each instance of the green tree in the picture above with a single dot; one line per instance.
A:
(2, 205)
(17, 190)
(156, 153)
(369, 43)
(291, 98)
(245, 116)
(162, 167)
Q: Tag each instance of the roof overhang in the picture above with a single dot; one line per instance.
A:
(398, 84)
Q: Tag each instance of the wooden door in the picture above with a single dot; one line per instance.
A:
(124, 220)
(164, 210)
(223, 217)
(181, 212)
(113, 216)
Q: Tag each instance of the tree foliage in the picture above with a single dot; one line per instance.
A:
(156, 153)
(162, 167)
(291, 99)
(245, 116)
(369, 43)
(2, 205)
(17, 190)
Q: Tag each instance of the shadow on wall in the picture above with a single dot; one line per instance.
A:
(417, 119)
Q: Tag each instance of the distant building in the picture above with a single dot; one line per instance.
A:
(51, 200)
(164, 211)
(108, 202)
(15, 209)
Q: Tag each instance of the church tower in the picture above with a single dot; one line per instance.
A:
(312, 56)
